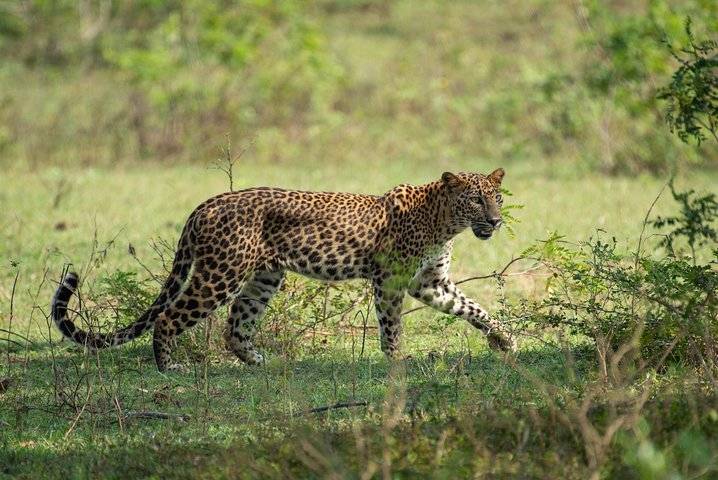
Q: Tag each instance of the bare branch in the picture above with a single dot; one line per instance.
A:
(146, 415)
(362, 403)
(226, 163)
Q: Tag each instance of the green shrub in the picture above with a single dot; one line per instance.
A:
(124, 293)
(665, 307)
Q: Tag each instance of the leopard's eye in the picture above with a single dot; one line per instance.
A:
(499, 198)
(479, 199)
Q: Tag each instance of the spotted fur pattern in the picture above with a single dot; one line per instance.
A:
(235, 248)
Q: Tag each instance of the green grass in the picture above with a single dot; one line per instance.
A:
(444, 83)
(137, 205)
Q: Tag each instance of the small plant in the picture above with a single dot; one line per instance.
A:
(226, 163)
(130, 295)
(509, 220)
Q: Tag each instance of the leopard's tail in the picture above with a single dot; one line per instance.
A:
(170, 291)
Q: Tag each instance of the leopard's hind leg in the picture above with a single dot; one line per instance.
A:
(245, 313)
(203, 295)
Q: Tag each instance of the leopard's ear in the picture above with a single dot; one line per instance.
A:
(496, 176)
(452, 181)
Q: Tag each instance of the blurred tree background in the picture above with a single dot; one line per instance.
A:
(563, 85)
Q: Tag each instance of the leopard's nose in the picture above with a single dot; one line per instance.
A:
(495, 222)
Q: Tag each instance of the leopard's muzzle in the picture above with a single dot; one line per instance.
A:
(484, 230)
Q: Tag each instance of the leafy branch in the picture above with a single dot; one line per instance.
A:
(692, 94)
(696, 221)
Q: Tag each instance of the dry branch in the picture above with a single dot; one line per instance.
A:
(362, 403)
(145, 415)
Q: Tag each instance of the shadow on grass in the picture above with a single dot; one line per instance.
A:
(68, 417)
(457, 415)
(53, 382)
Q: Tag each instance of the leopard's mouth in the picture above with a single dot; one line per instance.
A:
(482, 233)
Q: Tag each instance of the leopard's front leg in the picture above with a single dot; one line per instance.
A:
(388, 300)
(432, 286)
(447, 298)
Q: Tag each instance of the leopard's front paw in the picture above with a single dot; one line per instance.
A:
(502, 343)
(179, 368)
(252, 357)
(392, 352)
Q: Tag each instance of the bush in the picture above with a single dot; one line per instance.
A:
(665, 308)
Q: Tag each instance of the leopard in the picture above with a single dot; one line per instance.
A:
(236, 247)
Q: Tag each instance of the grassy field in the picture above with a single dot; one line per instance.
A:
(453, 408)
(104, 154)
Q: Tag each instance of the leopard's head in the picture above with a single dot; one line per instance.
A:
(475, 201)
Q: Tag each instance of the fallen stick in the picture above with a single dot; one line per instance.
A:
(161, 415)
(362, 403)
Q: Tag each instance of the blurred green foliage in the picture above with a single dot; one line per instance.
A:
(566, 86)
(608, 99)
(181, 71)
